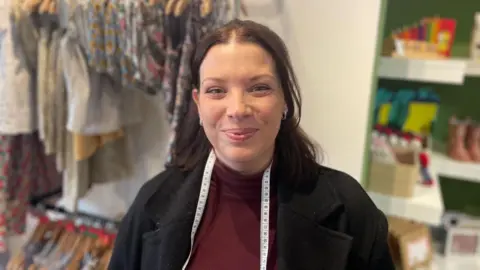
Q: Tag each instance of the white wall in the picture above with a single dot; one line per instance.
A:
(332, 44)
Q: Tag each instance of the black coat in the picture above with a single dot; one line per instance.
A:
(327, 223)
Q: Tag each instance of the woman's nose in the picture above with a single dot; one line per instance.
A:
(238, 107)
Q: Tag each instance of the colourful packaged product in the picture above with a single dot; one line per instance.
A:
(404, 34)
(446, 36)
(421, 31)
(434, 26)
(413, 32)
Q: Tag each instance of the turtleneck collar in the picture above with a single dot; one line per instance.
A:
(234, 184)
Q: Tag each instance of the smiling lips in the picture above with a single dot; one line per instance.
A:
(240, 134)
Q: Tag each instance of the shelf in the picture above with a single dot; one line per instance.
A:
(473, 69)
(426, 205)
(451, 71)
(442, 263)
(445, 166)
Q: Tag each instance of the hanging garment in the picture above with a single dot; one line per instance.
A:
(97, 103)
(152, 51)
(96, 54)
(174, 29)
(49, 109)
(4, 160)
(93, 102)
(17, 78)
(85, 147)
(43, 76)
(60, 112)
(27, 172)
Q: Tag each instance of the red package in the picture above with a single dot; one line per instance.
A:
(414, 33)
(446, 36)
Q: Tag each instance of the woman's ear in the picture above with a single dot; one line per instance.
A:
(195, 95)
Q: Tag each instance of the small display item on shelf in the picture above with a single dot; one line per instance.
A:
(386, 143)
(408, 110)
(475, 43)
(463, 140)
(393, 170)
(431, 38)
(462, 236)
(410, 243)
(424, 166)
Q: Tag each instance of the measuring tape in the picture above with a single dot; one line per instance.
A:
(265, 210)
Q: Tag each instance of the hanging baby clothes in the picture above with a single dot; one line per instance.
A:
(28, 172)
(98, 104)
(17, 81)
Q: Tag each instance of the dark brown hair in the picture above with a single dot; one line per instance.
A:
(295, 153)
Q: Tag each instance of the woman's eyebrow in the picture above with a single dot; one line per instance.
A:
(253, 78)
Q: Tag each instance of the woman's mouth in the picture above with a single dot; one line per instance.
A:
(240, 135)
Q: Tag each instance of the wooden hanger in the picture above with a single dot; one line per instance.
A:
(44, 6)
(169, 7)
(78, 252)
(52, 8)
(106, 259)
(30, 5)
(180, 7)
(206, 8)
(83, 248)
(40, 230)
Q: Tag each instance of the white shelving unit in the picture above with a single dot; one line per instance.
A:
(426, 205)
(441, 263)
(445, 166)
(473, 69)
(450, 71)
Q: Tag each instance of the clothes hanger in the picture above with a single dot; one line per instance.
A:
(30, 5)
(76, 260)
(180, 7)
(169, 7)
(44, 6)
(56, 234)
(206, 8)
(83, 248)
(52, 8)
(40, 230)
(62, 244)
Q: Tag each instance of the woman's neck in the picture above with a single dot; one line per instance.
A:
(249, 167)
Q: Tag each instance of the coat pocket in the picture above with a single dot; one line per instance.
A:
(167, 247)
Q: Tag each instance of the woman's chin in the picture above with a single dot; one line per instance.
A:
(242, 154)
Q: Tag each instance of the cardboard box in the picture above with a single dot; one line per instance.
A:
(397, 179)
(410, 243)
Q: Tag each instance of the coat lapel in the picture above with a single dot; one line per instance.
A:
(309, 228)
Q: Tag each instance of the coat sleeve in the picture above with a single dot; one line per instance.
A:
(127, 251)
(381, 258)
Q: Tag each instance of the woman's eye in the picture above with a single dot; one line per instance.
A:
(262, 87)
(215, 91)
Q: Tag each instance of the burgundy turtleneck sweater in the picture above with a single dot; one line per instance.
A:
(229, 235)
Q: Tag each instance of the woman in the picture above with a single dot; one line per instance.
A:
(244, 190)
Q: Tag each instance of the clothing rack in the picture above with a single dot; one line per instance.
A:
(39, 203)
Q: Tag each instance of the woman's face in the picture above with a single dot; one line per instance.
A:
(240, 104)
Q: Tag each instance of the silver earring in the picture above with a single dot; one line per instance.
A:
(284, 115)
(200, 122)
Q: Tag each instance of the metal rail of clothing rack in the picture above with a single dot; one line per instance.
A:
(40, 203)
